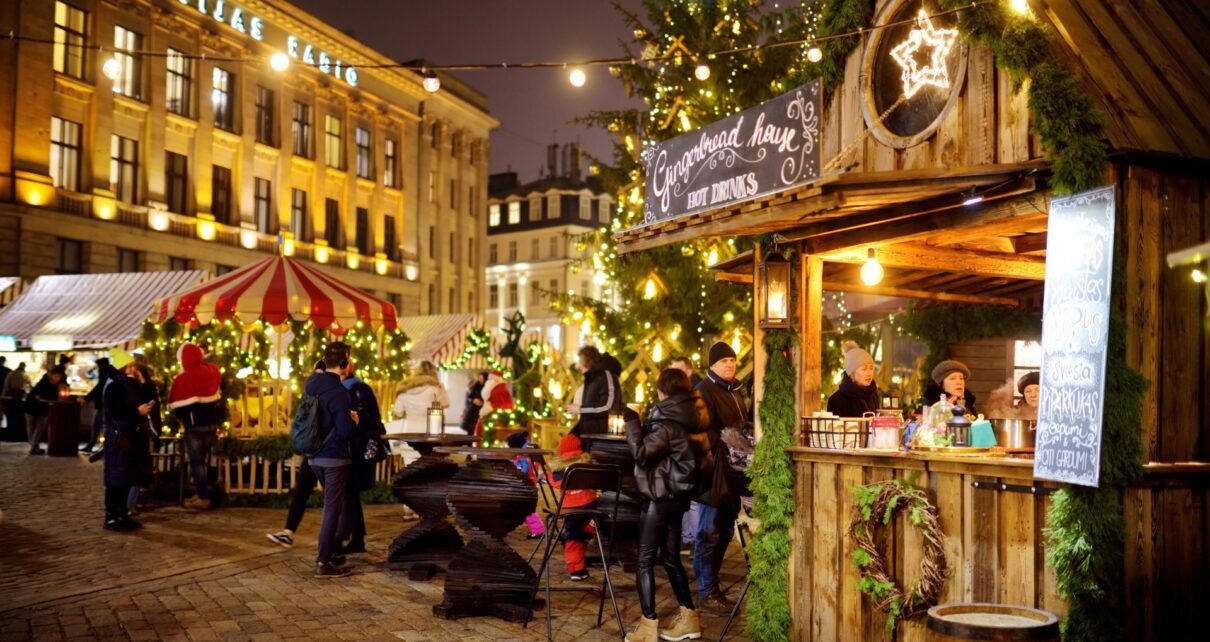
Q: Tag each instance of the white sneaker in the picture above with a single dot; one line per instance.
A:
(281, 537)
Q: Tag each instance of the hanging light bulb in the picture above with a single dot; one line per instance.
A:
(1020, 7)
(735, 341)
(279, 62)
(657, 352)
(431, 82)
(1198, 276)
(702, 72)
(649, 289)
(712, 257)
(814, 54)
(112, 68)
(577, 77)
(871, 271)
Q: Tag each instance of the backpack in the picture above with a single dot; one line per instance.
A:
(306, 432)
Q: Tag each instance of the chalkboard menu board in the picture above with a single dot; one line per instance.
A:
(758, 151)
(1075, 330)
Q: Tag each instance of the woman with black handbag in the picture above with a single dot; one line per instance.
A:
(125, 438)
(666, 473)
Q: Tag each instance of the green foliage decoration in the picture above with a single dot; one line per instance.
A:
(272, 447)
(379, 494)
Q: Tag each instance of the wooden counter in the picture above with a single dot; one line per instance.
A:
(994, 544)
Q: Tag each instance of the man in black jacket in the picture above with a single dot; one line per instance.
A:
(724, 400)
(602, 391)
(331, 463)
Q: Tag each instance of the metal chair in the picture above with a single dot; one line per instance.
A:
(596, 477)
(740, 528)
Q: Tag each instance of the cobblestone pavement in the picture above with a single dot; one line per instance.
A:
(194, 575)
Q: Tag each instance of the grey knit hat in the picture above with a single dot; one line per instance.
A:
(948, 367)
(854, 357)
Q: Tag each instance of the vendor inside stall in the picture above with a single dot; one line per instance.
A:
(1028, 387)
(857, 394)
(949, 378)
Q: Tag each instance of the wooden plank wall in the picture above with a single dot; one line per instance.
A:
(990, 361)
(994, 546)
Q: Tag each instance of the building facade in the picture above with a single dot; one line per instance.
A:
(207, 134)
(537, 246)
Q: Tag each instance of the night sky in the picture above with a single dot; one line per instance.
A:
(534, 107)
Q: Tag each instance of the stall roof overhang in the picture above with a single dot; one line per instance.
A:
(96, 310)
(839, 198)
(438, 337)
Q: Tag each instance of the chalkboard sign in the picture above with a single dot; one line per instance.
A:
(758, 151)
(1075, 330)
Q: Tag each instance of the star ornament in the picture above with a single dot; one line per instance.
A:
(938, 42)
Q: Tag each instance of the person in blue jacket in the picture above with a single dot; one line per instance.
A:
(331, 463)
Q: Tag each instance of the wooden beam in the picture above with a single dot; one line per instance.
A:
(942, 259)
(731, 277)
(1027, 243)
(918, 294)
(811, 314)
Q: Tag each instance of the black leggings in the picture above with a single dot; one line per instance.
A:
(304, 485)
(660, 531)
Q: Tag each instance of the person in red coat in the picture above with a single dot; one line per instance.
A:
(195, 397)
(579, 530)
(495, 397)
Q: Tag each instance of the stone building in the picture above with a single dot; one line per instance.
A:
(206, 134)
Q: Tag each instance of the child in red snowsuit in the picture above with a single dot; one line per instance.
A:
(578, 531)
(520, 439)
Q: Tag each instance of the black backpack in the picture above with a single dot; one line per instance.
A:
(306, 433)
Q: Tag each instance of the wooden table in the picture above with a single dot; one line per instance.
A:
(426, 547)
(490, 498)
(613, 449)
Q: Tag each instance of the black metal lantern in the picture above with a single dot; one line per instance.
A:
(775, 291)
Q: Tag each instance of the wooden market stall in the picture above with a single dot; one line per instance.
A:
(955, 205)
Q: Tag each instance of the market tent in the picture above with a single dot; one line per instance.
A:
(438, 338)
(96, 310)
(275, 290)
(10, 288)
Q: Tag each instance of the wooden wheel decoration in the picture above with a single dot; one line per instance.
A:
(877, 505)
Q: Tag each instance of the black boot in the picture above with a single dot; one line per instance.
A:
(111, 521)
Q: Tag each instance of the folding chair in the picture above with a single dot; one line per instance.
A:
(547, 497)
(598, 477)
(741, 528)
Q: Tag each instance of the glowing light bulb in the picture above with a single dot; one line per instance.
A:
(657, 352)
(279, 62)
(871, 271)
(702, 72)
(712, 257)
(577, 77)
(814, 54)
(1198, 276)
(112, 68)
(1020, 7)
(649, 289)
(431, 82)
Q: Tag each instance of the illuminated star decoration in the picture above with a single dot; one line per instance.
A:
(936, 72)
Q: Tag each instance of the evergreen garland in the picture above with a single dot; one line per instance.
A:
(768, 608)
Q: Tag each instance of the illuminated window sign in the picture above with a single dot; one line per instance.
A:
(244, 22)
(8, 343)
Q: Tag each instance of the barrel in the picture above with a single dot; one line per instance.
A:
(978, 621)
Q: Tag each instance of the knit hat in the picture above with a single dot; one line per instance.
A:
(948, 367)
(1030, 379)
(719, 351)
(854, 357)
(119, 358)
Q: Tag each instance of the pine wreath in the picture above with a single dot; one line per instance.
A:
(876, 506)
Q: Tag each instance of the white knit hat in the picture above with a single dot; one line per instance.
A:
(854, 357)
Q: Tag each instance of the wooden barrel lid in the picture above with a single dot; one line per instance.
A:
(982, 621)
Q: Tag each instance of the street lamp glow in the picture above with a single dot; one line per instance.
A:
(702, 72)
(431, 82)
(112, 68)
(279, 62)
(814, 54)
(577, 77)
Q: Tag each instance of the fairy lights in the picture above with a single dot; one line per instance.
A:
(938, 42)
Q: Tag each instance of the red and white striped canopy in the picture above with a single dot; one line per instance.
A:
(275, 290)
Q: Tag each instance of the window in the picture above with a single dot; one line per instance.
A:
(69, 256)
(493, 256)
(547, 211)
(453, 194)
(298, 215)
(432, 186)
(396, 300)
(180, 84)
(470, 302)
(512, 295)
(69, 40)
(300, 129)
(535, 293)
(220, 269)
(222, 85)
(470, 252)
(453, 249)
(453, 301)
(535, 210)
(432, 299)
(493, 297)
(554, 247)
(361, 138)
(363, 231)
(128, 260)
(265, 109)
(534, 251)
(390, 164)
(65, 153)
(177, 264)
(603, 206)
(124, 168)
(493, 215)
(220, 194)
(129, 81)
(512, 251)
(262, 211)
(595, 208)
(333, 145)
(584, 289)
(472, 201)
(514, 212)
(176, 183)
(432, 242)
(435, 135)
(455, 145)
(388, 237)
(332, 222)
(1027, 357)
(585, 213)
(554, 285)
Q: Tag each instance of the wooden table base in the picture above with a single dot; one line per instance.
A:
(427, 547)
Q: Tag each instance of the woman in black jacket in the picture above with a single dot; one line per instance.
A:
(857, 394)
(126, 435)
(665, 472)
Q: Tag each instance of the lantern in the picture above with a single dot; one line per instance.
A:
(775, 291)
(436, 421)
(617, 423)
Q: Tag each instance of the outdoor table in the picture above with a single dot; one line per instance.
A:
(490, 498)
(63, 428)
(624, 533)
(426, 547)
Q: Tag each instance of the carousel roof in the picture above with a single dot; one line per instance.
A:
(274, 290)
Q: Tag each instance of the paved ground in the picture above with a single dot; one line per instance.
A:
(191, 575)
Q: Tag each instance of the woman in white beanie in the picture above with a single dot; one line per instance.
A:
(857, 394)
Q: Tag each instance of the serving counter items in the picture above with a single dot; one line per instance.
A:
(1015, 434)
(826, 430)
